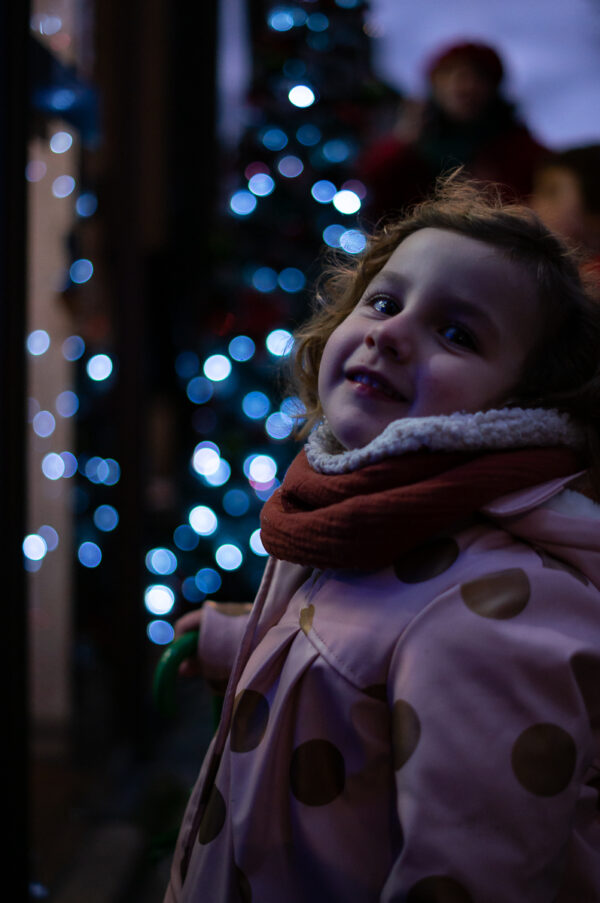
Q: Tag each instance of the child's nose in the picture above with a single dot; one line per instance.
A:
(392, 338)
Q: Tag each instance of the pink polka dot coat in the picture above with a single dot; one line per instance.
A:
(426, 732)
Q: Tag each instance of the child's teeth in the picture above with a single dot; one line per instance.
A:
(371, 381)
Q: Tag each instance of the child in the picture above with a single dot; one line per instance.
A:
(566, 196)
(413, 707)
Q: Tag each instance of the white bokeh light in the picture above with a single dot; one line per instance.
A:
(203, 520)
(159, 599)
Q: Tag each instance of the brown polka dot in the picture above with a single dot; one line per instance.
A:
(427, 561)
(243, 884)
(249, 721)
(377, 691)
(543, 759)
(549, 562)
(438, 889)
(213, 817)
(317, 772)
(503, 594)
(306, 617)
(406, 730)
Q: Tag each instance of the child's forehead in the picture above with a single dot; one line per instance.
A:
(432, 249)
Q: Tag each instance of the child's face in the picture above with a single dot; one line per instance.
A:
(445, 326)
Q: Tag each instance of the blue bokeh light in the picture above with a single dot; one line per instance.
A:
(261, 184)
(199, 390)
(106, 518)
(67, 403)
(292, 406)
(242, 348)
(291, 280)
(160, 632)
(308, 134)
(323, 191)
(220, 476)
(274, 139)
(73, 348)
(208, 580)
(242, 202)
(317, 22)
(50, 536)
(81, 270)
(63, 186)
(236, 502)
(255, 405)
(336, 150)
(264, 279)
(89, 554)
(281, 20)
(353, 241)
(70, 462)
(187, 364)
(191, 592)
(161, 561)
(332, 235)
(279, 425)
(86, 204)
(43, 424)
(185, 538)
(290, 166)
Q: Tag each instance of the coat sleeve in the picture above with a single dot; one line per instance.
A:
(223, 625)
(492, 739)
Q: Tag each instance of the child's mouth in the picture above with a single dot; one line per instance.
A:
(376, 383)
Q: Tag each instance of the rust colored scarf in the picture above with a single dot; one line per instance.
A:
(368, 517)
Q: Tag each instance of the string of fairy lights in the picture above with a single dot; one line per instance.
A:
(219, 532)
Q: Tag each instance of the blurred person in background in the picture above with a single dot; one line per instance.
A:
(465, 120)
(566, 196)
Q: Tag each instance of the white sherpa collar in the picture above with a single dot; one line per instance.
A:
(496, 429)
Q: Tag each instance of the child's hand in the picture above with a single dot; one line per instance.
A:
(191, 621)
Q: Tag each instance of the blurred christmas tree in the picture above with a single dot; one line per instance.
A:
(287, 193)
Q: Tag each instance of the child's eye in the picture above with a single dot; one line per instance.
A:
(458, 335)
(384, 305)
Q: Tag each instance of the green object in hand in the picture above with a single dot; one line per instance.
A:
(165, 675)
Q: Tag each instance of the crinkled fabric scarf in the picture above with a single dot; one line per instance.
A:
(367, 518)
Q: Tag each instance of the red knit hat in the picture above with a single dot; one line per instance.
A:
(480, 56)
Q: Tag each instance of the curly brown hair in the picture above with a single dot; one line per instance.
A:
(562, 369)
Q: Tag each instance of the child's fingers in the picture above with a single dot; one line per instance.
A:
(189, 668)
(191, 621)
